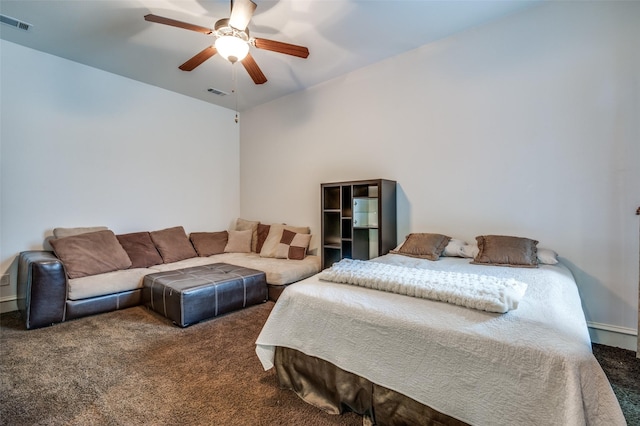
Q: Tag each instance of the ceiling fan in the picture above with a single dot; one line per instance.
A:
(233, 40)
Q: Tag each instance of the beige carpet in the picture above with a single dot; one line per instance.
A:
(133, 367)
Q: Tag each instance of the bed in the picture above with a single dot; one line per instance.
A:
(397, 359)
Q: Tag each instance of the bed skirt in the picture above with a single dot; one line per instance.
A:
(336, 391)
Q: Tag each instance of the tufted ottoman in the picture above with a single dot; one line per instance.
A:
(190, 295)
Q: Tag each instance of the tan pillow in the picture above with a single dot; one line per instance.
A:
(173, 244)
(423, 245)
(90, 253)
(239, 242)
(209, 243)
(70, 232)
(293, 245)
(140, 249)
(275, 235)
(501, 250)
(243, 225)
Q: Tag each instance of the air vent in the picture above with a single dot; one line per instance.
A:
(8, 20)
(216, 92)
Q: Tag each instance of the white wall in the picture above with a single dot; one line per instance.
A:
(529, 126)
(82, 147)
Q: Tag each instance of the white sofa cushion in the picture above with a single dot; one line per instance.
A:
(106, 283)
(277, 271)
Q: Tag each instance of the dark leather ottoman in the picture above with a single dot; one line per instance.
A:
(190, 295)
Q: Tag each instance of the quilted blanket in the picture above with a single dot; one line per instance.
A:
(531, 366)
(482, 292)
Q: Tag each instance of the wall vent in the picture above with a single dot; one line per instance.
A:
(216, 92)
(21, 25)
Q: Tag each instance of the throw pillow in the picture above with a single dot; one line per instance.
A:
(209, 243)
(243, 225)
(173, 244)
(293, 245)
(547, 256)
(470, 250)
(239, 242)
(140, 249)
(424, 245)
(454, 248)
(275, 235)
(501, 250)
(90, 254)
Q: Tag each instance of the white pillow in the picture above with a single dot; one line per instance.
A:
(469, 250)
(454, 248)
(547, 256)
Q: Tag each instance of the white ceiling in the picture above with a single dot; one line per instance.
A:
(342, 35)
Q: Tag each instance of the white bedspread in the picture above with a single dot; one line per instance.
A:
(483, 292)
(530, 366)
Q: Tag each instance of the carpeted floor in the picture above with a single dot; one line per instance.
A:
(133, 367)
(623, 370)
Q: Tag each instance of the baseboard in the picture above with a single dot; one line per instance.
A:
(611, 335)
(8, 304)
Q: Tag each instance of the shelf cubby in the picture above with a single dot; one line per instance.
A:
(358, 220)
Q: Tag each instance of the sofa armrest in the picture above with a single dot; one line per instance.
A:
(42, 288)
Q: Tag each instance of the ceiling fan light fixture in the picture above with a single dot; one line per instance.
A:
(232, 48)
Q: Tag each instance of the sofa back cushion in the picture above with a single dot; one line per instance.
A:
(243, 225)
(173, 244)
(90, 253)
(239, 242)
(140, 248)
(70, 232)
(209, 243)
(270, 246)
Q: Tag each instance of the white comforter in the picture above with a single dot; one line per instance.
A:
(530, 366)
(483, 292)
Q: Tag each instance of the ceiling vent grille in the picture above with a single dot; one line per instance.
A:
(8, 20)
(216, 92)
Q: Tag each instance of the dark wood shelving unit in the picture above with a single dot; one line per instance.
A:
(358, 219)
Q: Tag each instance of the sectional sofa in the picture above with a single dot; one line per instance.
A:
(92, 270)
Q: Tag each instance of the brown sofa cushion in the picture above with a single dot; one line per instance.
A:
(140, 248)
(209, 243)
(70, 232)
(90, 254)
(173, 244)
(263, 231)
(501, 250)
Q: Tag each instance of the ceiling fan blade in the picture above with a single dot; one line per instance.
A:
(280, 47)
(198, 59)
(253, 69)
(241, 13)
(179, 24)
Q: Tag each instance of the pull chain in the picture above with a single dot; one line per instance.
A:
(234, 90)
